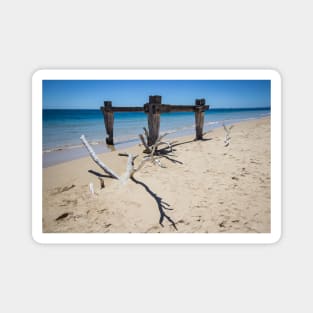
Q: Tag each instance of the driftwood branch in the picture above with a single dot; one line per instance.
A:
(153, 154)
(130, 167)
(91, 188)
(227, 134)
(146, 133)
(168, 144)
(158, 143)
(96, 159)
(153, 148)
(144, 142)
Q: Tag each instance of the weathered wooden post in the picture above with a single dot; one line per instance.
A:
(153, 110)
(108, 120)
(199, 117)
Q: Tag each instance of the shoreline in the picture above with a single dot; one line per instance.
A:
(62, 155)
(204, 187)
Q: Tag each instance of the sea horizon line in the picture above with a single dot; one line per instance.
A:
(223, 108)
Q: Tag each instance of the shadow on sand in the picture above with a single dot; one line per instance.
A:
(100, 174)
(162, 205)
(165, 151)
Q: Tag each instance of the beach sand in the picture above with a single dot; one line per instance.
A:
(205, 188)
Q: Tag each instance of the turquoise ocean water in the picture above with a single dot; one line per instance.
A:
(63, 128)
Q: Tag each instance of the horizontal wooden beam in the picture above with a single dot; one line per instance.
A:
(122, 109)
(168, 108)
(153, 109)
(161, 108)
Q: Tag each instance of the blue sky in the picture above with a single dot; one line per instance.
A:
(90, 94)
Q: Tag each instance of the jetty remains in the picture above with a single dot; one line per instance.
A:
(153, 109)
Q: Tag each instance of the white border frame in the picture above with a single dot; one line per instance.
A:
(171, 238)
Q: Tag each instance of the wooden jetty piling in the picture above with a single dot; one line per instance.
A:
(199, 117)
(108, 121)
(153, 109)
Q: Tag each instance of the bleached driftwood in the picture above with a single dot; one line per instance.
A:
(96, 159)
(109, 171)
(92, 191)
(168, 144)
(152, 157)
(131, 170)
(146, 133)
(147, 149)
(153, 154)
(130, 167)
(159, 142)
(227, 135)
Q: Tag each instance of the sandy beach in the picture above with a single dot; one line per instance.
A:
(205, 188)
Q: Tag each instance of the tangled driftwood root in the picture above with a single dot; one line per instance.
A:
(130, 167)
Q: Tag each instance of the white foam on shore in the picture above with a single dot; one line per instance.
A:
(66, 153)
(120, 140)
